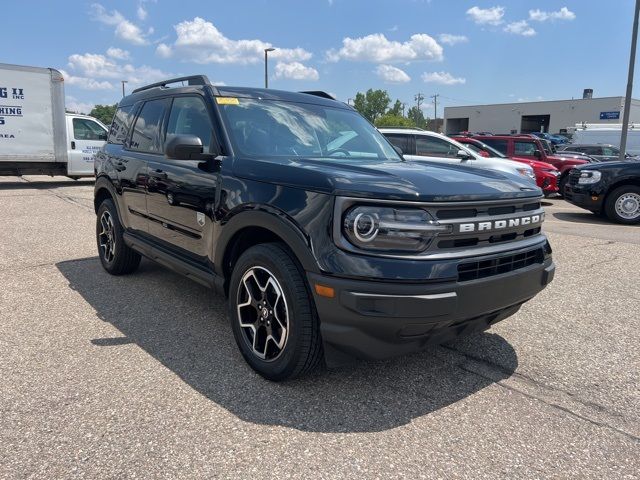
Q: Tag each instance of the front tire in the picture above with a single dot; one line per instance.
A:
(116, 257)
(623, 205)
(272, 314)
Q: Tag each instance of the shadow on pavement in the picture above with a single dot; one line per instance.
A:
(45, 184)
(581, 217)
(185, 327)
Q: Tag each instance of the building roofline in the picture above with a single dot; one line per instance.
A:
(621, 97)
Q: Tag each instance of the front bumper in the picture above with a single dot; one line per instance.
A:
(584, 196)
(370, 319)
(548, 182)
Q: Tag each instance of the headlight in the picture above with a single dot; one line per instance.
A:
(390, 229)
(588, 177)
(526, 172)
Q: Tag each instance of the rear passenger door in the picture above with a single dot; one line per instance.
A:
(181, 192)
(525, 149)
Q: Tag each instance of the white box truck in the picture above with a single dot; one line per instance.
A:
(607, 134)
(37, 136)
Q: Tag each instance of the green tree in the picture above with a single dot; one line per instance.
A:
(396, 110)
(104, 113)
(391, 120)
(372, 104)
(417, 117)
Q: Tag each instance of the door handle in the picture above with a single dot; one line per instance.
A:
(73, 145)
(158, 174)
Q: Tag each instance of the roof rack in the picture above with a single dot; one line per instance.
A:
(402, 127)
(319, 93)
(192, 79)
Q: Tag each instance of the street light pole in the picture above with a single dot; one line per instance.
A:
(627, 98)
(123, 82)
(266, 69)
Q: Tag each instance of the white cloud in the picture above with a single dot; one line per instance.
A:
(124, 29)
(486, 16)
(74, 105)
(392, 74)
(118, 53)
(520, 28)
(295, 71)
(99, 67)
(377, 48)
(564, 13)
(86, 83)
(201, 42)
(443, 78)
(142, 12)
(449, 39)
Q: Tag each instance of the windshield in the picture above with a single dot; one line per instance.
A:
(268, 128)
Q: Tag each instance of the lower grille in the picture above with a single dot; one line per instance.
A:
(496, 266)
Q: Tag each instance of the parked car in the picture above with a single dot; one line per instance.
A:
(420, 145)
(38, 137)
(602, 152)
(609, 188)
(546, 174)
(554, 139)
(325, 253)
(532, 148)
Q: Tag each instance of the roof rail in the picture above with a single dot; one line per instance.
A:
(402, 127)
(192, 79)
(319, 93)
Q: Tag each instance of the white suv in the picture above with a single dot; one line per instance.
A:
(422, 145)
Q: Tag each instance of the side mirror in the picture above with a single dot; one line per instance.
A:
(398, 150)
(463, 155)
(484, 153)
(103, 136)
(183, 147)
(537, 154)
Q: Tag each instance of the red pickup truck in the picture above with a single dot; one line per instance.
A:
(528, 147)
(546, 174)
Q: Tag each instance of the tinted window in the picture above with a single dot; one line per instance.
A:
(85, 129)
(611, 151)
(400, 141)
(435, 147)
(120, 125)
(592, 150)
(524, 148)
(499, 145)
(146, 131)
(189, 116)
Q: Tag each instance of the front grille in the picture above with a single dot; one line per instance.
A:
(496, 266)
(574, 175)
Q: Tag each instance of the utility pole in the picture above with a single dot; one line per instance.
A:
(627, 98)
(419, 98)
(435, 110)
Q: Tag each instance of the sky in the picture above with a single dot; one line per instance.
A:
(468, 52)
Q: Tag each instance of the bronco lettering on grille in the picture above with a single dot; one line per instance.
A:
(500, 224)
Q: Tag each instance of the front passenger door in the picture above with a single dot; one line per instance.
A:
(181, 192)
(436, 150)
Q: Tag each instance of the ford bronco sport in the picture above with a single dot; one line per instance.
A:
(328, 245)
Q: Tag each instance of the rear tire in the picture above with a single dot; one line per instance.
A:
(623, 205)
(272, 314)
(116, 257)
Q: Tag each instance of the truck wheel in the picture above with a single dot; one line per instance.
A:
(562, 183)
(623, 205)
(116, 257)
(272, 314)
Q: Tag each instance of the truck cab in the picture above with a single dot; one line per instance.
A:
(85, 137)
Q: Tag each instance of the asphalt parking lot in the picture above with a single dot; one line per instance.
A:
(139, 376)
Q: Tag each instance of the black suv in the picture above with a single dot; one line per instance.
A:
(607, 188)
(327, 243)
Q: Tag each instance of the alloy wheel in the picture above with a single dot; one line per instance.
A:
(263, 314)
(106, 237)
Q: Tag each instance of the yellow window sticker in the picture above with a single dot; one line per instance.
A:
(227, 101)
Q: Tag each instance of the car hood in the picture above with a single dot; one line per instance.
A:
(534, 163)
(609, 165)
(569, 160)
(391, 180)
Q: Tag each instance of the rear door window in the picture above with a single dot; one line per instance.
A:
(500, 145)
(146, 130)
